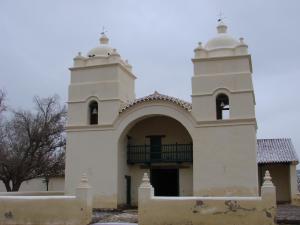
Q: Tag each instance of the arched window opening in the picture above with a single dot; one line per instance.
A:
(93, 112)
(222, 104)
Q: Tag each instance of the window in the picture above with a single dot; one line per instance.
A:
(222, 105)
(93, 112)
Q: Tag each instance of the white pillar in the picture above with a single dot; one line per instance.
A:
(84, 196)
(146, 191)
(268, 191)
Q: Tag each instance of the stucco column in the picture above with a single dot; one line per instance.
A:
(293, 182)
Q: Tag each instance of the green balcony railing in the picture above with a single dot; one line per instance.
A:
(160, 153)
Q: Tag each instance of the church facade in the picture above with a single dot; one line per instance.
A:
(206, 148)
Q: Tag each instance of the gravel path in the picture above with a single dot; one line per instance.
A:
(115, 224)
(120, 217)
(286, 215)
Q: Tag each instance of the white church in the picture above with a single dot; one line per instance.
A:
(206, 147)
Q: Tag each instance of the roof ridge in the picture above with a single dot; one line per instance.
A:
(157, 96)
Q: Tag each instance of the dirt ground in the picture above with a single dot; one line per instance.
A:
(286, 215)
(114, 215)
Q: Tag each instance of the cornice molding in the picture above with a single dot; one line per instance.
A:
(227, 122)
(103, 65)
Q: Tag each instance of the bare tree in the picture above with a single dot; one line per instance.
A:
(2, 99)
(32, 143)
(55, 167)
(2, 108)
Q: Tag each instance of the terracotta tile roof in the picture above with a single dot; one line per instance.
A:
(279, 150)
(158, 97)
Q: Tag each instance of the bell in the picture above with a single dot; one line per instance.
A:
(94, 111)
(222, 104)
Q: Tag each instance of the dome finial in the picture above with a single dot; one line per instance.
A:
(104, 39)
(221, 28)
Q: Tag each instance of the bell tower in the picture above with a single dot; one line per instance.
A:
(100, 82)
(222, 66)
(223, 104)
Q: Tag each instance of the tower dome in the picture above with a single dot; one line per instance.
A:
(222, 45)
(103, 50)
(222, 40)
(101, 55)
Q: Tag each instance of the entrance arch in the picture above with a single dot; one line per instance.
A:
(155, 138)
(138, 112)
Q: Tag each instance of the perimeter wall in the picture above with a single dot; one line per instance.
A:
(207, 210)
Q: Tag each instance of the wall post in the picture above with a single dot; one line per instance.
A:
(268, 195)
(294, 185)
(84, 196)
(146, 192)
(268, 190)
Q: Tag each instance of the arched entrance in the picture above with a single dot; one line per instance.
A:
(161, 146)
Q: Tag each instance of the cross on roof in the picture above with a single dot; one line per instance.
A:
(221, 17)
(103, 30)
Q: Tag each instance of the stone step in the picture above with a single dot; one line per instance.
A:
(288, 214)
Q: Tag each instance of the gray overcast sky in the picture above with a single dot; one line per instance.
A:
(38, 40)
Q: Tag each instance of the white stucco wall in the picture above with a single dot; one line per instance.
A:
(38, 184)
(93, 152)
(222, 155)
(186, 181)
(136, 174)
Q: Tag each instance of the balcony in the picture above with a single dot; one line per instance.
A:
(178, 153)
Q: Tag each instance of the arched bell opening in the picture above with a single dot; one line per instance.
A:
(222, 107)
(93, 113)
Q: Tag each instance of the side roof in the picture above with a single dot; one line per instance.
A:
(279, 150)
